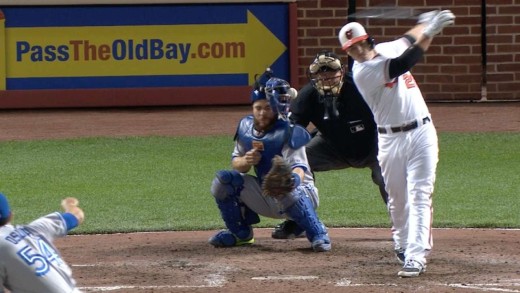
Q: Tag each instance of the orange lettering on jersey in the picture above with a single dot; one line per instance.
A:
(258, 145)
(391, 84)
(409, 81)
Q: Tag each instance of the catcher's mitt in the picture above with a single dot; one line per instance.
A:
(279, 180)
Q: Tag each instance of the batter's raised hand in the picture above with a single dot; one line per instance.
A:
(438, 22)
(427, 16)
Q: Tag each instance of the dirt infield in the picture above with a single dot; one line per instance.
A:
(361, 261)
(468, 260)
(187, 121)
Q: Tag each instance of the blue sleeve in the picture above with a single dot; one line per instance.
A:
(70, 220)
(298, 136)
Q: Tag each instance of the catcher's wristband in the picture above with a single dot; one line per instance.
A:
(296, 179)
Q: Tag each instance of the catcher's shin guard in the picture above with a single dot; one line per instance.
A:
(226, 188)
(227, 184)
(303, 213)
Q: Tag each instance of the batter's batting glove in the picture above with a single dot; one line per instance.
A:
(427, 16)
(438, 22)
(280, 180)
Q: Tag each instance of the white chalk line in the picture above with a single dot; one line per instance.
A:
(214, 280)
(217, 281)
(488, 287)
(348, 283)
(284, 277)
(121, 287)
(483, 287)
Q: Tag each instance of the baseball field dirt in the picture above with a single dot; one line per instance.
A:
(463, 260)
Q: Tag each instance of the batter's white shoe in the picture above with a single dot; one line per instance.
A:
(411, 269)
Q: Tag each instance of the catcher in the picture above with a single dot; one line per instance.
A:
(282, 186)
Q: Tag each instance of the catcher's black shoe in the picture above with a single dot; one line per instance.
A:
(287, 230)
(399, 254)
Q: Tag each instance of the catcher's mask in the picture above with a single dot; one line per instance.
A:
(279, 93)
(326, 75)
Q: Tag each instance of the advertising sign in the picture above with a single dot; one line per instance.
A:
(127, 49)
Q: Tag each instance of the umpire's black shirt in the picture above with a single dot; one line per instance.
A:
(353, 132)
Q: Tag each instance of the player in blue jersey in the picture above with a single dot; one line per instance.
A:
(29, 261)
(258, 139)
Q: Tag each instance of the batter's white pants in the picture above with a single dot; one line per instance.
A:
(408, 162)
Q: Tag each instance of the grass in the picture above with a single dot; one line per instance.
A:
(162, 183)
(478, 183)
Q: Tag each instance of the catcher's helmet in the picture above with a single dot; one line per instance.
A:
(326, 73)
(258, 92)
(352, 33)
(279, 93)
(5, 210)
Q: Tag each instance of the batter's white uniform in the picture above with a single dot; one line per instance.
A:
(408, 147)
(29, 262)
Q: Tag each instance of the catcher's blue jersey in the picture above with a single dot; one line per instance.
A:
(270, 143)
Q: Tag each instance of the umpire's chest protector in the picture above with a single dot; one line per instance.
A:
(270, 143)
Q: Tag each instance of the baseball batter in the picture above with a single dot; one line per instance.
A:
(282, 186)
(29, 262)
(408, 147)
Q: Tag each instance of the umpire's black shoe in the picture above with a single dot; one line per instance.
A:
(287, 230)
(399, 254)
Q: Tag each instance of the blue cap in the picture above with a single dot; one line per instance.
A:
(259, 86)
(258, 94)
(5, 211)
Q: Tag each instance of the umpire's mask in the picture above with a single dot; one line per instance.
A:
(326, 73)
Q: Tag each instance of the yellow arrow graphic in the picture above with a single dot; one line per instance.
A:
(142, 50)
(2, 52)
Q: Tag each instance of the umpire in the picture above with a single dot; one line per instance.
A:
(345, 134)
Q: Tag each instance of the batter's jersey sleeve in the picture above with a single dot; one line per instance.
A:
(390, 50)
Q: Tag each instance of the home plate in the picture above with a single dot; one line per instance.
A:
(284, 277)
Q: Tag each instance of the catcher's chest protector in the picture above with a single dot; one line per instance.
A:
(269, 144)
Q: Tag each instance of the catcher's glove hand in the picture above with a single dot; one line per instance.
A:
(280, 179)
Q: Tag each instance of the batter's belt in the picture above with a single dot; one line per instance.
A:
(405, 127)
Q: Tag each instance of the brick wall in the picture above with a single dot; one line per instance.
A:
(452, 68)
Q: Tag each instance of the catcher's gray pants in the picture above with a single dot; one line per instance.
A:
(267, 206)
